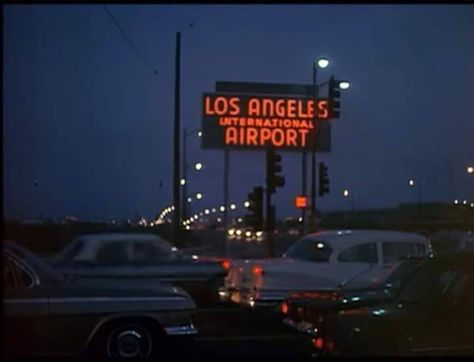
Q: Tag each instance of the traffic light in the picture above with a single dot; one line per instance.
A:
(273, 168)
(323, 179)
(334, 98)
(255, 198)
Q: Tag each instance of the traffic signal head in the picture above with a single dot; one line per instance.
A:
(334, 97)
(323, 179)
(255, 198)
(273, 168)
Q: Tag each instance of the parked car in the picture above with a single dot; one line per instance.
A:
(306, 311)
(49, 314)
(143, 256)
(321, 261)
(452, 241)
(432, 315)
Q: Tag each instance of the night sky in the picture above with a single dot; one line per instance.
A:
(88, 120)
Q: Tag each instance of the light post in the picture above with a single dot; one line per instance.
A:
(350, 194)
(470, 170)
(186, 134)
(411, 183)
(320, 63)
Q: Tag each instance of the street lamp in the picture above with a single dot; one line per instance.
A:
(456, 201)
(198, 196)
(322, 63)
(470, 169)
(198, 166)
(182, 182)
(411, 183)
(233, 206)
(247, 204)
(349, 194)
(344, 84)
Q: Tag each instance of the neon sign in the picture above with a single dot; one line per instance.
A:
(250, 121)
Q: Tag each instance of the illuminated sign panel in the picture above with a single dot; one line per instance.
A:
(250, 121)
(301, 202)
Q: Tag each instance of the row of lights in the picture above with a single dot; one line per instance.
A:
(186, 223)
(464, 202)
(163, 214)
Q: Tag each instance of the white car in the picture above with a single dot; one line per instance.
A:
(323, 260)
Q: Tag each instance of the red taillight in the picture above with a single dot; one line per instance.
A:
(284, 308)
(257, 270)
(226, 264)
(318, 343)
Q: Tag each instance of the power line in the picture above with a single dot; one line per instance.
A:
(128, 40)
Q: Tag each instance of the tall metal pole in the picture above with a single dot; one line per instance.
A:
(226, 198)
(313, 151)
(419, 199)
(176, 178)
(304, 164)
(184, 171)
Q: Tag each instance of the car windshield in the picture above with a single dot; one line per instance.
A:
(310, 250)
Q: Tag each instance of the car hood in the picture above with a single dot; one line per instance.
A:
(172, 270)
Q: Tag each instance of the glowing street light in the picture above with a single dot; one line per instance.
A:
(346, 193)
(247, 204)
(233, 206)
(464, 202)
(323, 63)
(182, 182)
(456, 201)
(198, 196)
(344, 84)
(213, 210)
(411, 182)
(199, 133)
(207, 211)
(222, 208)
(470, 169)
(198, 166)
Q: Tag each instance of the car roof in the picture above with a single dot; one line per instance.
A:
(339, 238)
(119, 237)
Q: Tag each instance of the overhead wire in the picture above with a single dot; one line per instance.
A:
(128, 40)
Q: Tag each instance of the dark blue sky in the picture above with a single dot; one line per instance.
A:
(86, 118)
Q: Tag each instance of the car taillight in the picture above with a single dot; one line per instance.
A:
(257, 270)
(318, 343)
(284, 308)
(226, 264)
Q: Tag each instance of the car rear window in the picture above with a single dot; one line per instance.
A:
(312, 250)
(395, 251)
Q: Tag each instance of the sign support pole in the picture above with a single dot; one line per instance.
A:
(176, 194)
(313, 151)
(304, 164)
(226, 199)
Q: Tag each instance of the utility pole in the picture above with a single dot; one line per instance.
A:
(313, 151)
(184, 195)
(304, 162)
(176, 158)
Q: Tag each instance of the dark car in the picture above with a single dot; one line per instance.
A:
(146, 257)
(48, 314)
(432, 315)
(310, 312)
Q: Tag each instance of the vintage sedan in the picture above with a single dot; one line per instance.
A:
(309, 311)
(146, 257)
(432, 315)
(321, 261)
(48, 314)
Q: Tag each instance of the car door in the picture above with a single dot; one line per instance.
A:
(439, 312)
(25, 306)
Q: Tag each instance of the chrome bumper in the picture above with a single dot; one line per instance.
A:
(303, 327)
(187, 330)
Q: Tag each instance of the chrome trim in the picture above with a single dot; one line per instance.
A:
(93, 299)
(24, 265)
(181, 330)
